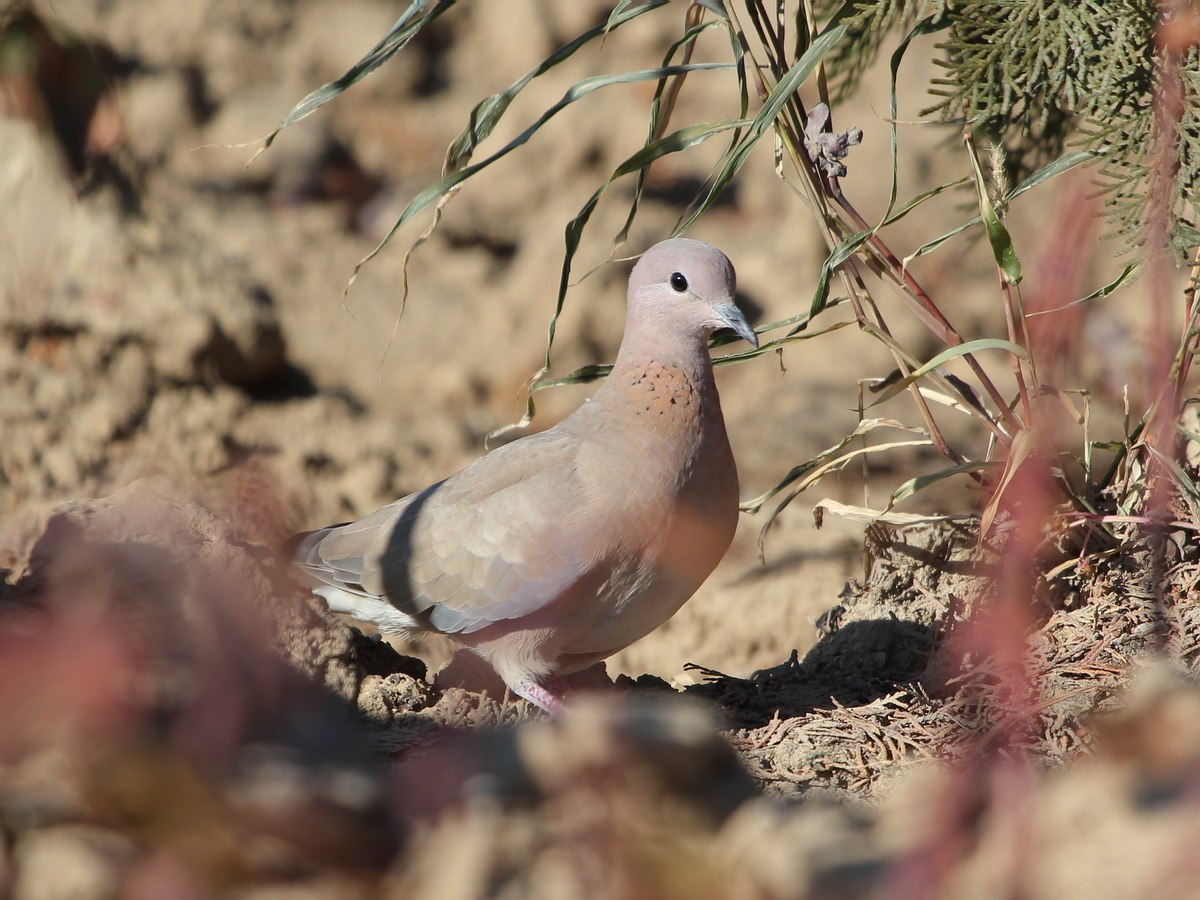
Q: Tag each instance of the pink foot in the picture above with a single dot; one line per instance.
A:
(539, 697)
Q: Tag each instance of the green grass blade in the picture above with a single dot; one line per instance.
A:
(913, 485)
(659, 118)
(1064, 163)
(1126, 275)
(577, 92)
(836, 257)
(926, 26)
(779, 95)
(585, 374)
(617, 12)
(582, 375)
(724, 338)
(790, 338)
(930, 246)
(716, 7)
(944, 357)
(485, 115)
(404, 30)
(916, 201)
(998, 235)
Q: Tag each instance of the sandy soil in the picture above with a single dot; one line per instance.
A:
(172, 341)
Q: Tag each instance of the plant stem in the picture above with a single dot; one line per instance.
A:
(1010, 304)
(933, 317)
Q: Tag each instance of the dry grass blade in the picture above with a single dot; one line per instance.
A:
(868, 516)
(1022, 448)
(809, 466)
(811, 477)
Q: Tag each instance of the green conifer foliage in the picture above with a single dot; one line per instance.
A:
(1039, 76)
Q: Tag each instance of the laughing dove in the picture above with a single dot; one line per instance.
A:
(559, 549)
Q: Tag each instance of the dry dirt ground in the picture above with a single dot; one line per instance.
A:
(182, 389)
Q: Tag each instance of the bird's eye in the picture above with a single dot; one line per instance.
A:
(678, 282)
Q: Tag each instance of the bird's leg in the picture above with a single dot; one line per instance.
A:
(539, 697)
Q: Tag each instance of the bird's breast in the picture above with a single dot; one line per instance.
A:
(665, 436)
(669, 500)
(664, 399)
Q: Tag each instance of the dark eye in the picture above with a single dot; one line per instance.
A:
(678, 282)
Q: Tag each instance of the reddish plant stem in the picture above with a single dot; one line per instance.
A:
(1160, 445)
(851, 275)
(925, 309)
(854, 282)
(936, 321)
(935, 433)
(822, 190)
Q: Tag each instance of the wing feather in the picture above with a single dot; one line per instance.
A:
(497, 541)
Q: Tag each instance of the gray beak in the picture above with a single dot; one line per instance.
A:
(731, 317)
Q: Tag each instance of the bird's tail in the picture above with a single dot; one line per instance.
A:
(303, 547)
(338, 584)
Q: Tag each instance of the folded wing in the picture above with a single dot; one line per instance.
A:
(497, 541)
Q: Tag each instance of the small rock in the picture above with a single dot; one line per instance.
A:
(70, 862)
(380, 698)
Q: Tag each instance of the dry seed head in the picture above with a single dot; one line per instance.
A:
(998, 161)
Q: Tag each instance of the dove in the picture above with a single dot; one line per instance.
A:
(561, 548)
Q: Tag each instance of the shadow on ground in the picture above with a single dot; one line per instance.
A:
(859, 662)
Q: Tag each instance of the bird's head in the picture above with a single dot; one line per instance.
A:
(687, 285)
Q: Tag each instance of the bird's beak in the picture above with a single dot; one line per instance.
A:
(732, 318)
